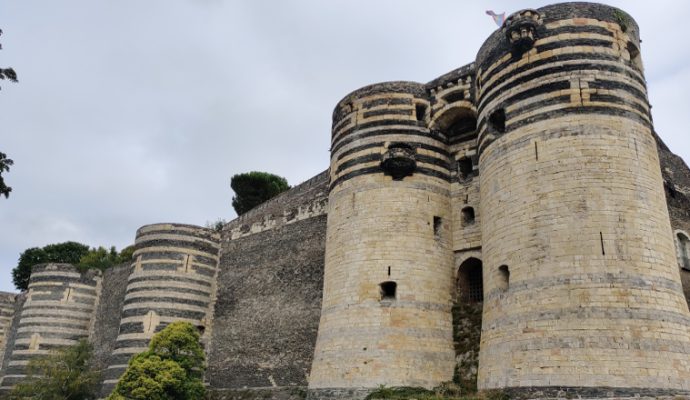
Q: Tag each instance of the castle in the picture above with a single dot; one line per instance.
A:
(529, 183)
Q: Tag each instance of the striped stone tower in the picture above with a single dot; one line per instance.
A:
(385, 315)
(582, 289)
(59, 310)
(173, 279)
(7, 304)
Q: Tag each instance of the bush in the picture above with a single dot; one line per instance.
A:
(63, 375)
(172, 368)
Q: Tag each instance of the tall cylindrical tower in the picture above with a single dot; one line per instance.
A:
(172, 279)
(582, 291)
(387, 283)
(59, 311)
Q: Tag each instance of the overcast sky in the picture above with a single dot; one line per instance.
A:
(132, 112)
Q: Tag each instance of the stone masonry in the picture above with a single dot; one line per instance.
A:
(524, 196)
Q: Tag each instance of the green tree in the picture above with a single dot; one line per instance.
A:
(64, 374)
(254, 188)
(171, 369)
(7, 73)
(101, 258)
(4, 167)
(67, 252)
(126, 255)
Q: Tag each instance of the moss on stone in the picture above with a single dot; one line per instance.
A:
(467, 329)
(446, 391)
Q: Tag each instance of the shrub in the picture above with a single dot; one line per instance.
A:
(64, 374)
(172, 367)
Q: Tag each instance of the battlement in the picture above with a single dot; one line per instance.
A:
(306, 200)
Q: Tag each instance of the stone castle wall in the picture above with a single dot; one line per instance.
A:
(108, 314)
(269, 292)
(268, 306)
(539, 157)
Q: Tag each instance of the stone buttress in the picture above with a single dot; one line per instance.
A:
(385, 317)
(173, 279)
(581, 284)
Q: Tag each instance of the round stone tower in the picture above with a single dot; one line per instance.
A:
(388, 270)
(59, 311)
(173, 279)
(582, 290)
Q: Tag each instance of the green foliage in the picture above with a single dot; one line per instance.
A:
(418, 393)
(216, 225)
(467, 329)
(102, 259)
(150, 377)
(67, 252)
(62, 375)
(254, 188)
(179, 342)
(403, 392)
(171, 369)
(9, 74)
(622, 19)
(446, 391)
(4, 167)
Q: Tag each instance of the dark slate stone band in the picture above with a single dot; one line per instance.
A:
(416, 145)
(377, 170)
(582, 110)
(388, 132)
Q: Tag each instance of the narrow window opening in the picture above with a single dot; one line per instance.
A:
(388, 290)
(536, 151)
(634, 55)
(498, 120)
(437, 225)
(420, 111)
(470, 284)
(601, 238)
(670, 190)
(504, 277)
(465, 168)
(683, 244)
(389, 271)
(467, 216)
